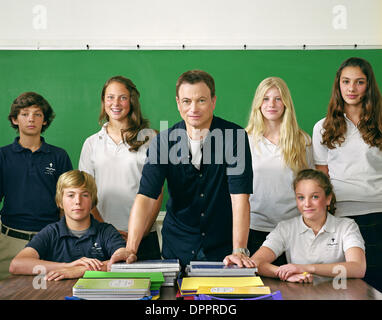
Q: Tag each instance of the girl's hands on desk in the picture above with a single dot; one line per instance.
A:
(301, 277)
(293, 273)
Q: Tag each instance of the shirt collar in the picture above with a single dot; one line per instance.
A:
(17, 147)
(268, 142)
(329, 225)
(64, 230)
(103, 129)
(302, 227)
(104, 135)
(349, 123)
(213, 123)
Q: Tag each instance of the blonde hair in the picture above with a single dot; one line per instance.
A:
(76, 179)
(293, 140)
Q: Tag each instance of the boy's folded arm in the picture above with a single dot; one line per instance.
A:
(72, 271)
(28, 262)
(66, 273)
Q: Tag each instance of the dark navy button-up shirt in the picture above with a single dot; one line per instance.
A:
(56, 243)
(28, 184)
(199, 208)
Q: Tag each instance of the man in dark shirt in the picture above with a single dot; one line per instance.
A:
(29, 170)
(207, 164)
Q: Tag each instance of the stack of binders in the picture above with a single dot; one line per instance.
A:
(112, 289)
(217, 269)
(215, 280)
(156, 278)
(170, 268)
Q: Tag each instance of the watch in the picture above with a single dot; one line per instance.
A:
(244, 251)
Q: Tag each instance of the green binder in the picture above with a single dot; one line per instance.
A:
(112, 289)
(156, 278)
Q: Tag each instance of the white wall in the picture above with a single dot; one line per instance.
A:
(208, 24)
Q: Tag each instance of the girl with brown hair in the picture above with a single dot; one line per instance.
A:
(347, 146)
(315, 242)
(115, 157)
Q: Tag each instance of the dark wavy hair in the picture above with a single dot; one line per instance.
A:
(322, 180)
(196, 76)
(28, 99)
(370, 125)
(135, 120)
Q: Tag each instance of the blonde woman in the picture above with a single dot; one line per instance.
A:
(279, 150)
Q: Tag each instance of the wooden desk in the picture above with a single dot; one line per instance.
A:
(323, 289)
(22, 288)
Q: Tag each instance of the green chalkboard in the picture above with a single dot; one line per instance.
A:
(72, 81)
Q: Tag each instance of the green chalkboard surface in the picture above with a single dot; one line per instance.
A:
(72, 81)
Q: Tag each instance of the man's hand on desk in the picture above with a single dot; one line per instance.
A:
(122, 254)
(239, 259)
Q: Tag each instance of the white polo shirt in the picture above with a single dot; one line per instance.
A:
(273, 198)
(117, 172)
(302, 246)
(355, 170)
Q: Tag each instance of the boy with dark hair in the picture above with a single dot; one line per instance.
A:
(29, 170)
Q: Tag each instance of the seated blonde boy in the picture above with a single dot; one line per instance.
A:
(76, 243)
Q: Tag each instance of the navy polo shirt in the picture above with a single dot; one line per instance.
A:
(28, 184)
(56, 243)
(199, 208)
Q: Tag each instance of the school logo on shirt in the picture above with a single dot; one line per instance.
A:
(49, 169)
(97, 252)
(96, 248)
(332, 243)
